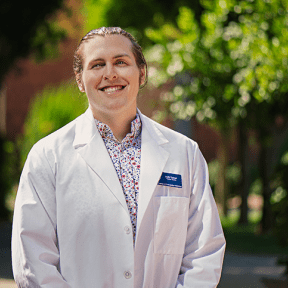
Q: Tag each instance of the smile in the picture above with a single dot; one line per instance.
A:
(112, 89)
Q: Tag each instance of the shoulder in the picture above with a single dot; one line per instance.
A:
(58, 142)
(59, 137)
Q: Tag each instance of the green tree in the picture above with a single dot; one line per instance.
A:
(136, 16)
(234, 67)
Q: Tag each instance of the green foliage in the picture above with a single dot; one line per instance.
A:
(256, 187)
(235, 59)
(99, 8)
(50, 110)
(136, 16)
(233, 174)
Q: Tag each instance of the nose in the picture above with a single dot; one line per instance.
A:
(110, 72)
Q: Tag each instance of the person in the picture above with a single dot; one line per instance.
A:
(114, 199)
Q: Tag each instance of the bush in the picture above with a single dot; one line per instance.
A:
(50, 110)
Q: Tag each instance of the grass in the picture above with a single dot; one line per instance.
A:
(246, 239)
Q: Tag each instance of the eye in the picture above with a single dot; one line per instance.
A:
(97, 65)
(120, 62)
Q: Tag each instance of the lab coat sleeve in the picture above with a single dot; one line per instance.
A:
(205, 243)
(35, 254)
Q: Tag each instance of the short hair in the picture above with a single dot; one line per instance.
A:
(103, 31)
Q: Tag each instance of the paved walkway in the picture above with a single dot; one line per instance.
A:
(246, 271)
(6, 274)
(239, 271)
(6, 283)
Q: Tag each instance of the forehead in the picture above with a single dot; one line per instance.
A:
(106, 46)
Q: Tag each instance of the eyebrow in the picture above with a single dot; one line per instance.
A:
(121, 55)
(115, 57)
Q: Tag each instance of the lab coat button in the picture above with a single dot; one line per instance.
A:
(127, 229)
(127, 274)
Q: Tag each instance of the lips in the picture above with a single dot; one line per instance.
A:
(110, 89)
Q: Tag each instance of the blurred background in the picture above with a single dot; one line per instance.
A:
(217, 73)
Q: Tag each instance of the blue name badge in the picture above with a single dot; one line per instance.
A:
(169, 179)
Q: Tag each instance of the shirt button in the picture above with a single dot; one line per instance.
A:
(127, 274)
(127, 229)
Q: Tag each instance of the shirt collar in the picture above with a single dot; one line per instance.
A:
(106, 132)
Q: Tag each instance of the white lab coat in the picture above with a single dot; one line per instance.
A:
(71, 224)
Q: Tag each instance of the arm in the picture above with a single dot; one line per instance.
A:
(205, 243)
(35, 255)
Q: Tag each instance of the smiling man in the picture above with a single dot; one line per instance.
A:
(114, 199)
(111, 78)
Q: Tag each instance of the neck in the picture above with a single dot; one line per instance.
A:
(119, 123)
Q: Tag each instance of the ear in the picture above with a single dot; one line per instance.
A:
(81, 87)
(142, 76)
(80, 83)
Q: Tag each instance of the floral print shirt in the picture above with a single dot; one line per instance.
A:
(126, 156)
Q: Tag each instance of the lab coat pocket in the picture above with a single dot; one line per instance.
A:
(171, 220)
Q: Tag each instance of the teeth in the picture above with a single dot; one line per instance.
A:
(112, 89)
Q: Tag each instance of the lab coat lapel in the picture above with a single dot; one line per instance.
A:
(153, 160)
(89, 144)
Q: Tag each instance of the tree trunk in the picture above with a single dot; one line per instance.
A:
(244, 184)
(266, 221)
(222, 185)
(2, 111)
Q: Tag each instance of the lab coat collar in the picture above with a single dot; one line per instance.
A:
(91, 147)
(85, 129)
(89, 144)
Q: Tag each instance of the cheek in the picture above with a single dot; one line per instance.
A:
(134, 78)
(91, 79)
